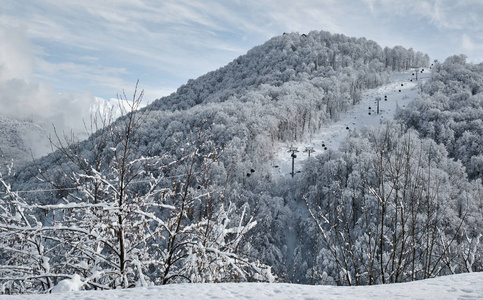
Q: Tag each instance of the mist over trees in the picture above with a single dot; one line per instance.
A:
(182, 190)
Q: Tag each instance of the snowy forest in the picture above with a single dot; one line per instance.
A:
(183, 190)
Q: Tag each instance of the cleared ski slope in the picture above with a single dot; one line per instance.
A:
(401, 89)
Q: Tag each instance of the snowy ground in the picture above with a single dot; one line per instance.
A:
(462, 286)
(401, 90)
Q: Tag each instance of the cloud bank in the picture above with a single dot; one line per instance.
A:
(22, 98)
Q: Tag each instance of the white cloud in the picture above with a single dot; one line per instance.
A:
(475, 50)
(444, 14)
(16, 59)
(466, 43)
(23, 98)
(370, 4)
(175, 39)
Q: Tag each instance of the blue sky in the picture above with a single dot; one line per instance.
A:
(100, 47)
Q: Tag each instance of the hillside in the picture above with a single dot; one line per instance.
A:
(295, 57)
(400, 90)
(184, 190)
(17, 140)
(450, 110)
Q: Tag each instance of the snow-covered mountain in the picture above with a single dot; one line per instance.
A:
(20, 140)
(196, 186)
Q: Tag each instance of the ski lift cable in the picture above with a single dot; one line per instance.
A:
(75, 188)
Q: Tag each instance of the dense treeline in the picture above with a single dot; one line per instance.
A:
(391, 207)
(395, 205)
(294, 57)
(181, 191)
(450, 111)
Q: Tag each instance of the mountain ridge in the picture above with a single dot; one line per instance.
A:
(284, 58)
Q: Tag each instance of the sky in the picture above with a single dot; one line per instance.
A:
(55, 55)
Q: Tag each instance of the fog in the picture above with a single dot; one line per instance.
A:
(24, 98)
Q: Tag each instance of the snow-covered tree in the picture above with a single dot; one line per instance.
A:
(394, 210)
(127, 220)
(24, 258)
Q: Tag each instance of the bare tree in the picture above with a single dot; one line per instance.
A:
(123, 219)
(392, 218)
